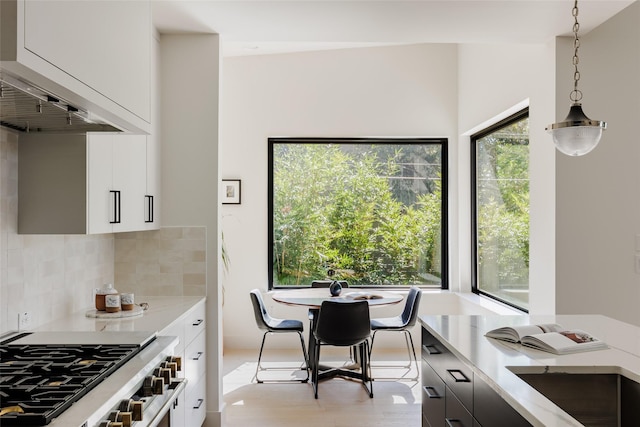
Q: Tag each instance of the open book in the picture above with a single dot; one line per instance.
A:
(551, 337)
(361, 295)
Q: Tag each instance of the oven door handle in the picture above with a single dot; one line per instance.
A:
(168, 404)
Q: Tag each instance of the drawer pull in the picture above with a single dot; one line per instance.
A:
(198, 322)
(453, 422)
(458, 376)
(199, 404)
(432, 393)
(198, 355)
(431, 349)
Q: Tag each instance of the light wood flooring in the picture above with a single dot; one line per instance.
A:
(340, 403)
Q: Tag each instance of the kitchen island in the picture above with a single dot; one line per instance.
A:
(483, 366)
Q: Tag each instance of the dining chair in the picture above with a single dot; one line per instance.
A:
(272, 325)
(401, 323)
(327, 284)
(343, 324)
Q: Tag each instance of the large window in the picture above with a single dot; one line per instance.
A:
(500, 205)
(371, 211)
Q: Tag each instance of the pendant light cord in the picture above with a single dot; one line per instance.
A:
(575, 95)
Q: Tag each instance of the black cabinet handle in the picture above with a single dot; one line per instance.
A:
(198, 322)
(116, 207)
(432, 393)
(431, 349)
(458, 376)
(198, 355)
(199, 404)
(149, 208)
(453, 422)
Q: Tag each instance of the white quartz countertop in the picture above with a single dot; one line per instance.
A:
(161, 313)
(496, 361)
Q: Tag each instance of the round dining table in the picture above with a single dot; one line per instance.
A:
(312, 298)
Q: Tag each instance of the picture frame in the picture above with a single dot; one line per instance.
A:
(230, 191)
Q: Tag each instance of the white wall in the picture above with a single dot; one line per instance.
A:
(189, 70)
(598, 198)
(493, 80)
(389, 91)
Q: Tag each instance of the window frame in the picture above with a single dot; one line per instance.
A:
(323, 140)
(514, 118)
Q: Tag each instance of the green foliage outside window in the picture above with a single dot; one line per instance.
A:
(370, 212)
(503, 212)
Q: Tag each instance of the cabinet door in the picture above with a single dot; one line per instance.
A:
(100, 199)
(129, 179)
(456, 413)
(490, 409)
(152, 193)
(196, 403)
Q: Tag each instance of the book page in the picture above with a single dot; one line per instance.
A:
(361, 295)
(516, 333)
(564, 342)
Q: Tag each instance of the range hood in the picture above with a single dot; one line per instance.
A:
(25, 107)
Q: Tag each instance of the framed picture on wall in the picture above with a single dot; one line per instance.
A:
(230, 191)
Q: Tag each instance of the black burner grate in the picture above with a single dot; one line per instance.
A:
(44, 380)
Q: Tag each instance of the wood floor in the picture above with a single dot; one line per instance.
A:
(340, 403)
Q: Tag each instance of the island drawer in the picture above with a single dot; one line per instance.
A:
(433, 396)
(456, 375)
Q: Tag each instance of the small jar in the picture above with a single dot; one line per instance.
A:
(112, 303)
(101, 294)
(126, 301)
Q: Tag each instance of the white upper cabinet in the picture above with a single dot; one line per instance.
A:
(116, 182)
(81, 184)
(95, 54)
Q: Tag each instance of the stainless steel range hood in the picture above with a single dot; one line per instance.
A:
(27, 108)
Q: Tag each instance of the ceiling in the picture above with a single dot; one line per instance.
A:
(266, 26)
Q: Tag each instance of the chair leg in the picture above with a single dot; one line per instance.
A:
(316, 362)
(413, 351)
(366, 374)
(259, 366)
(410, 352)
(305, 355)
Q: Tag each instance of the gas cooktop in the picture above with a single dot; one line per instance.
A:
(40, 379)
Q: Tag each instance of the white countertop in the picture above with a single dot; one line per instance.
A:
(490, 358)
(161, 313)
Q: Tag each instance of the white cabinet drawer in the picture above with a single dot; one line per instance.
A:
(196, 403)
(195, 359)
(194, 323)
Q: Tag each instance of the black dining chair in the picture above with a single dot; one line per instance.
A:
(327, 284)
(343, 324)
(402, 323)
(272, 325)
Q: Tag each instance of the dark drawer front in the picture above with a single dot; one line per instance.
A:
(491, 410)
(453, 372)
(456, 414)
(433, 396)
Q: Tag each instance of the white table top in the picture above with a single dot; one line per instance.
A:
(313, 297)
(496, 361)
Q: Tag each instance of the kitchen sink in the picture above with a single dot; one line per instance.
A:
(594, 399)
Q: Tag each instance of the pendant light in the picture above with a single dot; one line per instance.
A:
(577, 134)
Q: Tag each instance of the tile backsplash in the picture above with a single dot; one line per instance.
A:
(54, 275)
(166, 262)
(46, 275)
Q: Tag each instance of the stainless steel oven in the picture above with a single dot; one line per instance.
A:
(89, 379)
